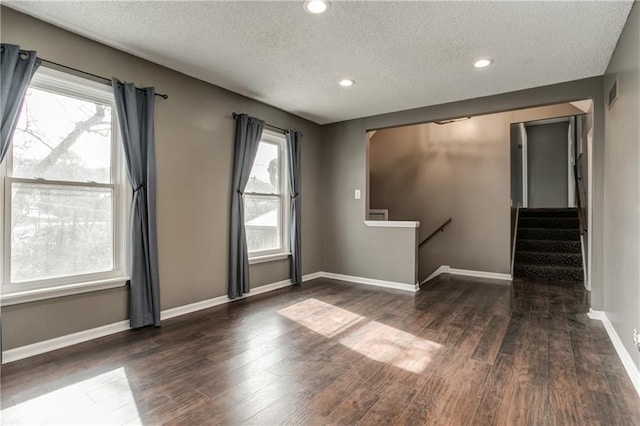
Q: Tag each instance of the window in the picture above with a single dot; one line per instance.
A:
(65, 192)
(265, 206)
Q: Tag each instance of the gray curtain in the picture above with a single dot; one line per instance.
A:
(295, 234)
(248, 134)
(135, 109)
(16, 69)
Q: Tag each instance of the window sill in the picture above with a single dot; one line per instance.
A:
(393, 223)
(33, 294)
(268, 258)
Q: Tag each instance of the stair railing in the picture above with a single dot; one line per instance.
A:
(433, 234)
(581, 225)
(579, 201)
(515, 239)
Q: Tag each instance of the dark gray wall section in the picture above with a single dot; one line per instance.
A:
(547, 157)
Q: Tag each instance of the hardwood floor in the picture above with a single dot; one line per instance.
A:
(462, 351)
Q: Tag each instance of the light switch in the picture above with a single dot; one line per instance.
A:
(357, 194)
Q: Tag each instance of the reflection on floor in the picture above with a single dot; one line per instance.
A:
(462, 351)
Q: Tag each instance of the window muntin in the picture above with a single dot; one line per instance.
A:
(65, 193)
(265, 212)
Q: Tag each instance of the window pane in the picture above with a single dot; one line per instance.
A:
(264, 173)
(62, 138)
(60, 230)
(262, 222)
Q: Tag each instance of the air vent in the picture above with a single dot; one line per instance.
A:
(441, 122)
(613, 93)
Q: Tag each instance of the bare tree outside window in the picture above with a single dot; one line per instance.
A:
(61, 225)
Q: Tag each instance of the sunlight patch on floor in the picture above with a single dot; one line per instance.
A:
(103, 399)
(372, 339)
(321, 317)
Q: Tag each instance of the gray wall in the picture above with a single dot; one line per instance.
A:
(622, 188)
(194, 140)
(462, 170)
(390, 253)
(344, 160)
(515, 148)
(547, 168)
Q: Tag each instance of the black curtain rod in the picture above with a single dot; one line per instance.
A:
(266, 125)
(162, 95)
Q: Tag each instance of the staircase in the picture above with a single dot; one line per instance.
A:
(548, 245)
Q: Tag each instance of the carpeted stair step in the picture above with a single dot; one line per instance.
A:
(549, 234)
(548, 272)
(548, 246)
(549, 222)
(548, 213)
(545, 259)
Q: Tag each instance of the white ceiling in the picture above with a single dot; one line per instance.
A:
(401, 54)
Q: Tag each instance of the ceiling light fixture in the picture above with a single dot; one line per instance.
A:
(316, 6)
(346, 82)
(482, 63)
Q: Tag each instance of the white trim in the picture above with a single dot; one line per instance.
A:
(268, 258)
(393, 223)
(413, 288)
(589, 209)
(481, 274)
(62, 341)
(445, 269)
(220, 300)
(595, 315)
(33, 294)
(525, 165)
(38, 348)
(625, 357)
(548, 121)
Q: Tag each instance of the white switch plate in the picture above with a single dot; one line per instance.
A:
(357, 194)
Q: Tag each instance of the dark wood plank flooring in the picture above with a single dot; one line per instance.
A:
(462, 351)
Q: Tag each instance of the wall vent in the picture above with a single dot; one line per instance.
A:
(613, 93)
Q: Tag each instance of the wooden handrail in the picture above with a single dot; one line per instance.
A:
(439, 229)
(579, 201)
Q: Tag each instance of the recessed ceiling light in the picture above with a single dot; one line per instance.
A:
(481, 63)
(316, 6)
(346, 82)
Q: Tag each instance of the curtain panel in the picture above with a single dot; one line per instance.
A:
(16, 70)
(295, 204)
(135, 108)
(247, 140)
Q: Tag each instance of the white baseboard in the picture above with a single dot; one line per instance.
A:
(445, 269)
(625, 357)
(38, 348)
(413, 288)
(596, 315)
(209, 303)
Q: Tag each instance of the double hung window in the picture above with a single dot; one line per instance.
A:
(65, 192)
(266, 204)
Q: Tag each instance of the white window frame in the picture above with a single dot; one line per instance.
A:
(12, 293)
(259, 256)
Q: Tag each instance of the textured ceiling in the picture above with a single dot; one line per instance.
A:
(401, 54)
